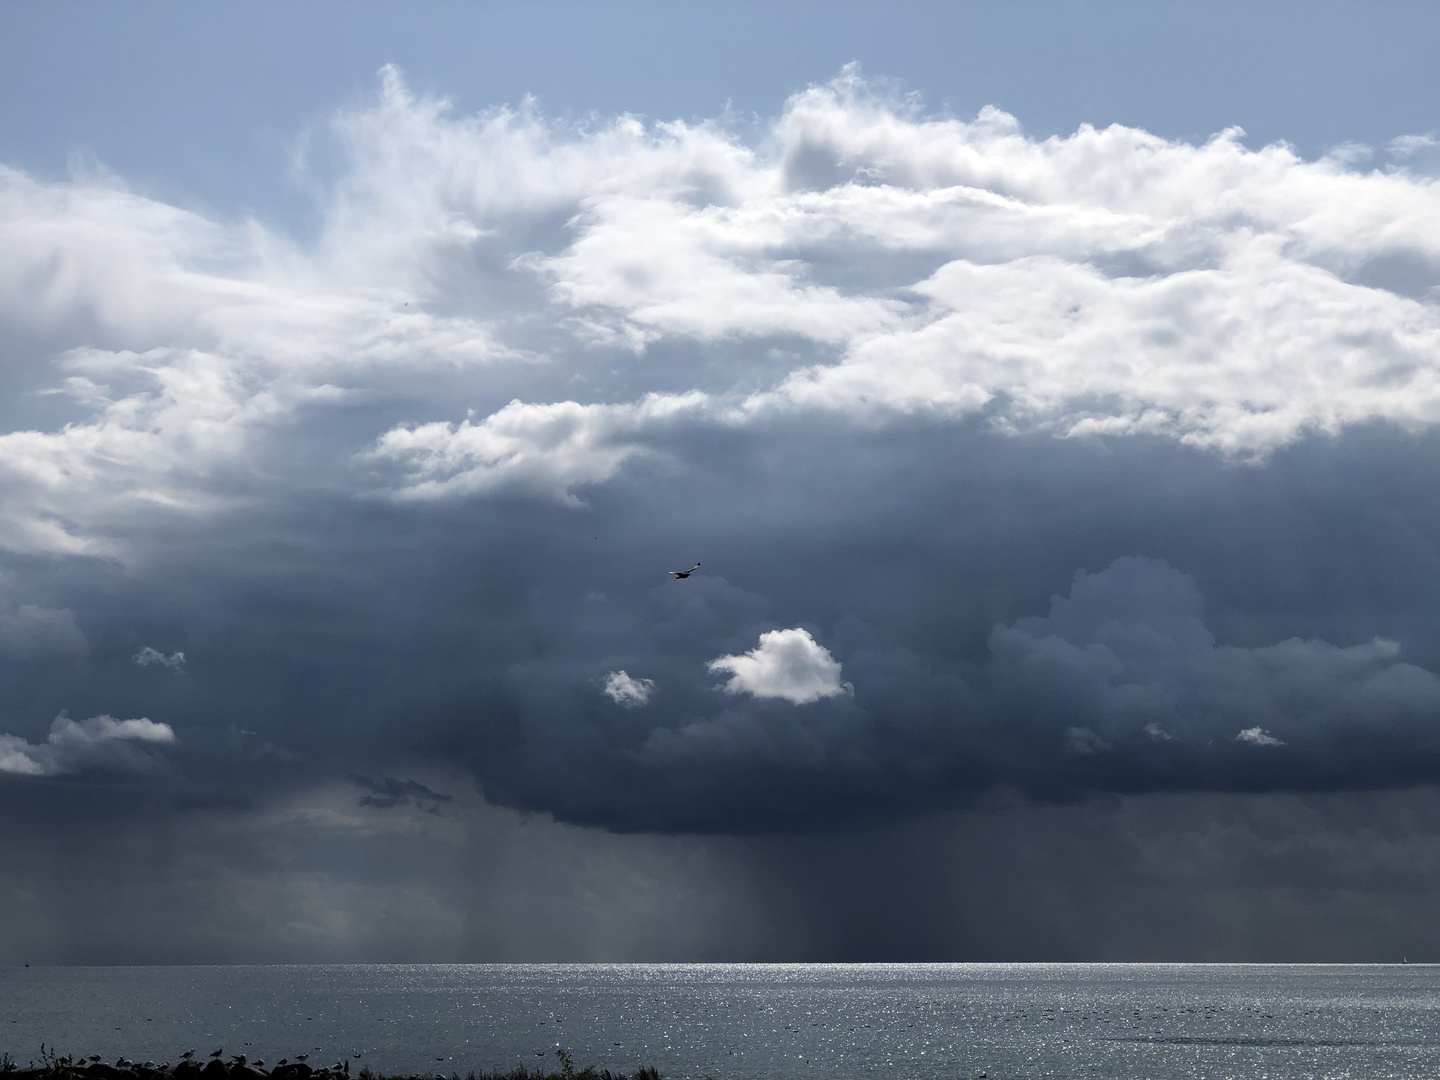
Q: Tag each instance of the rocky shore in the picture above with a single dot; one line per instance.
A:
(53, 1066)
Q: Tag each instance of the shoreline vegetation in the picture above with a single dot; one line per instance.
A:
(55, 1066)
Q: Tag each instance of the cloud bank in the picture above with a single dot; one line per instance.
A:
(864, 260)
(1096, 463)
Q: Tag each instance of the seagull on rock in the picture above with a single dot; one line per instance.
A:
(684, 573)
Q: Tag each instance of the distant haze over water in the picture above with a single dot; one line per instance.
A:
(772, 1021)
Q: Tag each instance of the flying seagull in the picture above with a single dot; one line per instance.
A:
(684, 573)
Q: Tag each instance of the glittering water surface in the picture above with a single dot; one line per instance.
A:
(737, 1022)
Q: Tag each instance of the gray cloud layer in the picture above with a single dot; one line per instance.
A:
(1053, 467)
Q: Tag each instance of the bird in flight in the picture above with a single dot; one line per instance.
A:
(684, 573)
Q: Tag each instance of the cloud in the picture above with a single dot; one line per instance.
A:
(100, 743)
(148, 655)
(550, 447)
(1418, 154)
(1082, 453)
(624, 689)
(388, 792)
(1127, 654)
(1122, 686)
(29, 632)
(1081, 740)
(788, 664)
(1258, 737)
(881, 264)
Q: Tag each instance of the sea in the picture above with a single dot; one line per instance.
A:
(753, 1021)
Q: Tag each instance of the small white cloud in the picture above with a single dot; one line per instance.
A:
(148, 656)
(1259, 737)
(787, 664)
(624, 689)
(1407, 145)
(99, 742)
(1081, 740)
(1158, 733)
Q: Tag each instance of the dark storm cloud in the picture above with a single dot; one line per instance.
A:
(974, 652)
(978, 656)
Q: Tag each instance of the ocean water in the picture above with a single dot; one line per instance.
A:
(756, 1022)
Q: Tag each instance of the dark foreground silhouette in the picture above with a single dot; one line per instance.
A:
(53, 1066)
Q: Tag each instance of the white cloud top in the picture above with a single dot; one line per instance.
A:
(787, 664)
(625, 689)
(99, 742)
(862, 260)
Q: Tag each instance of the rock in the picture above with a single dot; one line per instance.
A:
(215, 1069)
(297, 1070)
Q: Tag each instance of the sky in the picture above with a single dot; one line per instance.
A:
(1049, 394)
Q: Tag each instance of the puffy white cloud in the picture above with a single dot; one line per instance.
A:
(101, 742)
(625, 689)
(787, 664)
